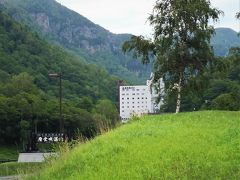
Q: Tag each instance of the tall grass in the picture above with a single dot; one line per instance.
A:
(15, 168)
(199, 145)
(8, 152)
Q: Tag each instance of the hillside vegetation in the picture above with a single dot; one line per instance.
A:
(29, 97)
(91, 42)
(198, 145)
(14, 168)
(23, 51)
(65, 27)
(218, 88)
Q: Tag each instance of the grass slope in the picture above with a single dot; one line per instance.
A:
(15, 168)
(199, 145)
(8, 153)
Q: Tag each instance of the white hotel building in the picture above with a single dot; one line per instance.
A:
(137, 100)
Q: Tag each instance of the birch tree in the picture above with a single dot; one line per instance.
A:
(180, 47)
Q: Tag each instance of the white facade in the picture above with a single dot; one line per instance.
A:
(139, 100)
(134, 100)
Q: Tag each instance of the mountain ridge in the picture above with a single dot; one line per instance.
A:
(76, 33)
(223, 40)
(93, 43)
(29, 53)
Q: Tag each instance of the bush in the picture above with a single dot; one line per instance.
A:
(225, 102)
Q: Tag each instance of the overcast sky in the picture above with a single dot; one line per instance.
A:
(129, 16)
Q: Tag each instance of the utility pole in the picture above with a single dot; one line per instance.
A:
(60, 103)
(61, 124)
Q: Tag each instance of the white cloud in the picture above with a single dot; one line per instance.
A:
(230, 8)
(129, 16)
(125, 16)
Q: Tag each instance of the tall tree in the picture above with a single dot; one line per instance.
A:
(181, 41)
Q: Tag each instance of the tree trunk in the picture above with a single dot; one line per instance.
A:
(179, 88)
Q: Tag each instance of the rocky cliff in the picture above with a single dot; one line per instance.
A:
(69, 29)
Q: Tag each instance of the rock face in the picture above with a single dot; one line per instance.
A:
(97, 45)
(43, 21)
(70, 28)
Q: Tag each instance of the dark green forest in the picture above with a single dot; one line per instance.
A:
(218, 88)
(29, 97)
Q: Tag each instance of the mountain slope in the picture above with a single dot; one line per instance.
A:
(199, 145)
(224, 39)
(95, 44)
(29, 98)
(76, 33)
(23, 51)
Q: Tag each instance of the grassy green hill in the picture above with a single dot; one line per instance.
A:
(198, 145)
(7, 153)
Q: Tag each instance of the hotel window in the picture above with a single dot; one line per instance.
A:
(122, 98)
